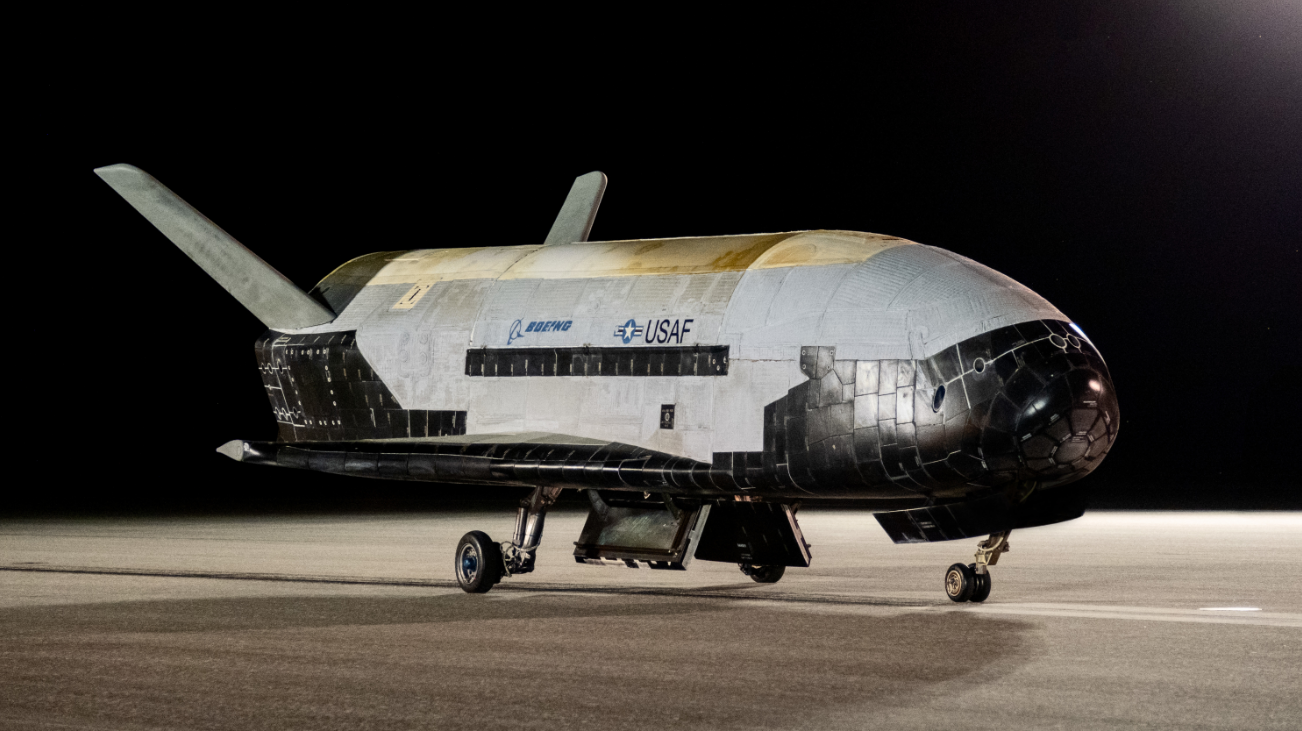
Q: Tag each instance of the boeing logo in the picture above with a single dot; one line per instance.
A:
(519, 329)
(655, 331)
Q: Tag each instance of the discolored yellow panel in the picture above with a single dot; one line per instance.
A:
(590, 259)
(820, 248)
(647, 256)
(440, 265)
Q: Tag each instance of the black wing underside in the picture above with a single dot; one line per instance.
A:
(557, 460)
(525, 460)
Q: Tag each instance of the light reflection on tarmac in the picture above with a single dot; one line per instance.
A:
(354, 621)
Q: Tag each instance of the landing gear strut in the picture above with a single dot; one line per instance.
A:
(480, 563)
(971, 583)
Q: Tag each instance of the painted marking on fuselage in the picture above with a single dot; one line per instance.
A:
(628, 331)
(412, 296)
(519, 329)
(588, 361)
(655, 331)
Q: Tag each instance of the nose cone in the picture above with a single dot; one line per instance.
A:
(1056, 416)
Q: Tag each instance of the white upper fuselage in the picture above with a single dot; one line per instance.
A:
(764, 296)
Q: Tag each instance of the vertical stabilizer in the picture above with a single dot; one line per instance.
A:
(267, 293)
(574, 222)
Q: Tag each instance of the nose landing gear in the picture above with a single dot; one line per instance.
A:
(481, 563)
(971, 583)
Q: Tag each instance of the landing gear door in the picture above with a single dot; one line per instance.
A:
(753, 533)
(659, 532)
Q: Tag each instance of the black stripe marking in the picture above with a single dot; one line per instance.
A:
(687, 360)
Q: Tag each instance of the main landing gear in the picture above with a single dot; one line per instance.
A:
(971, 583)
(764, 574)
(480, 563)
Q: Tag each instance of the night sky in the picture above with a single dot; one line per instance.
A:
(1139, 168)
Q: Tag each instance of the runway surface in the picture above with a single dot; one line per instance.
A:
(1116, 620)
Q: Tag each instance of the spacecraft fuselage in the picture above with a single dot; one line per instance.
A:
(674, 379)
(817, 363)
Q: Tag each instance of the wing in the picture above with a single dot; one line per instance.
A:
(512, 459)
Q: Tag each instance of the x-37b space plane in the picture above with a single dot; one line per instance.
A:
(698, 389)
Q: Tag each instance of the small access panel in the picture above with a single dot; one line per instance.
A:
(666, 416)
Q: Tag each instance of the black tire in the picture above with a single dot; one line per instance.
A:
(981, 591)
(765, 574)
(478, 563)
(960, 581)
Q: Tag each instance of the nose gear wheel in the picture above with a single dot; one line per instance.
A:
(971, 582)
(981, 591)
(960, 581)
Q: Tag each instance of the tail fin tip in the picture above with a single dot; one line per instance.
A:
(574, 222)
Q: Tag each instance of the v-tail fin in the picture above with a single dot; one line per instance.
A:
(574, 222)
(267, 293)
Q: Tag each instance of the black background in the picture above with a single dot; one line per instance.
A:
(1140, 166)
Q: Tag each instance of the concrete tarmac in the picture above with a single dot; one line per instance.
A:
(1116, 620)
